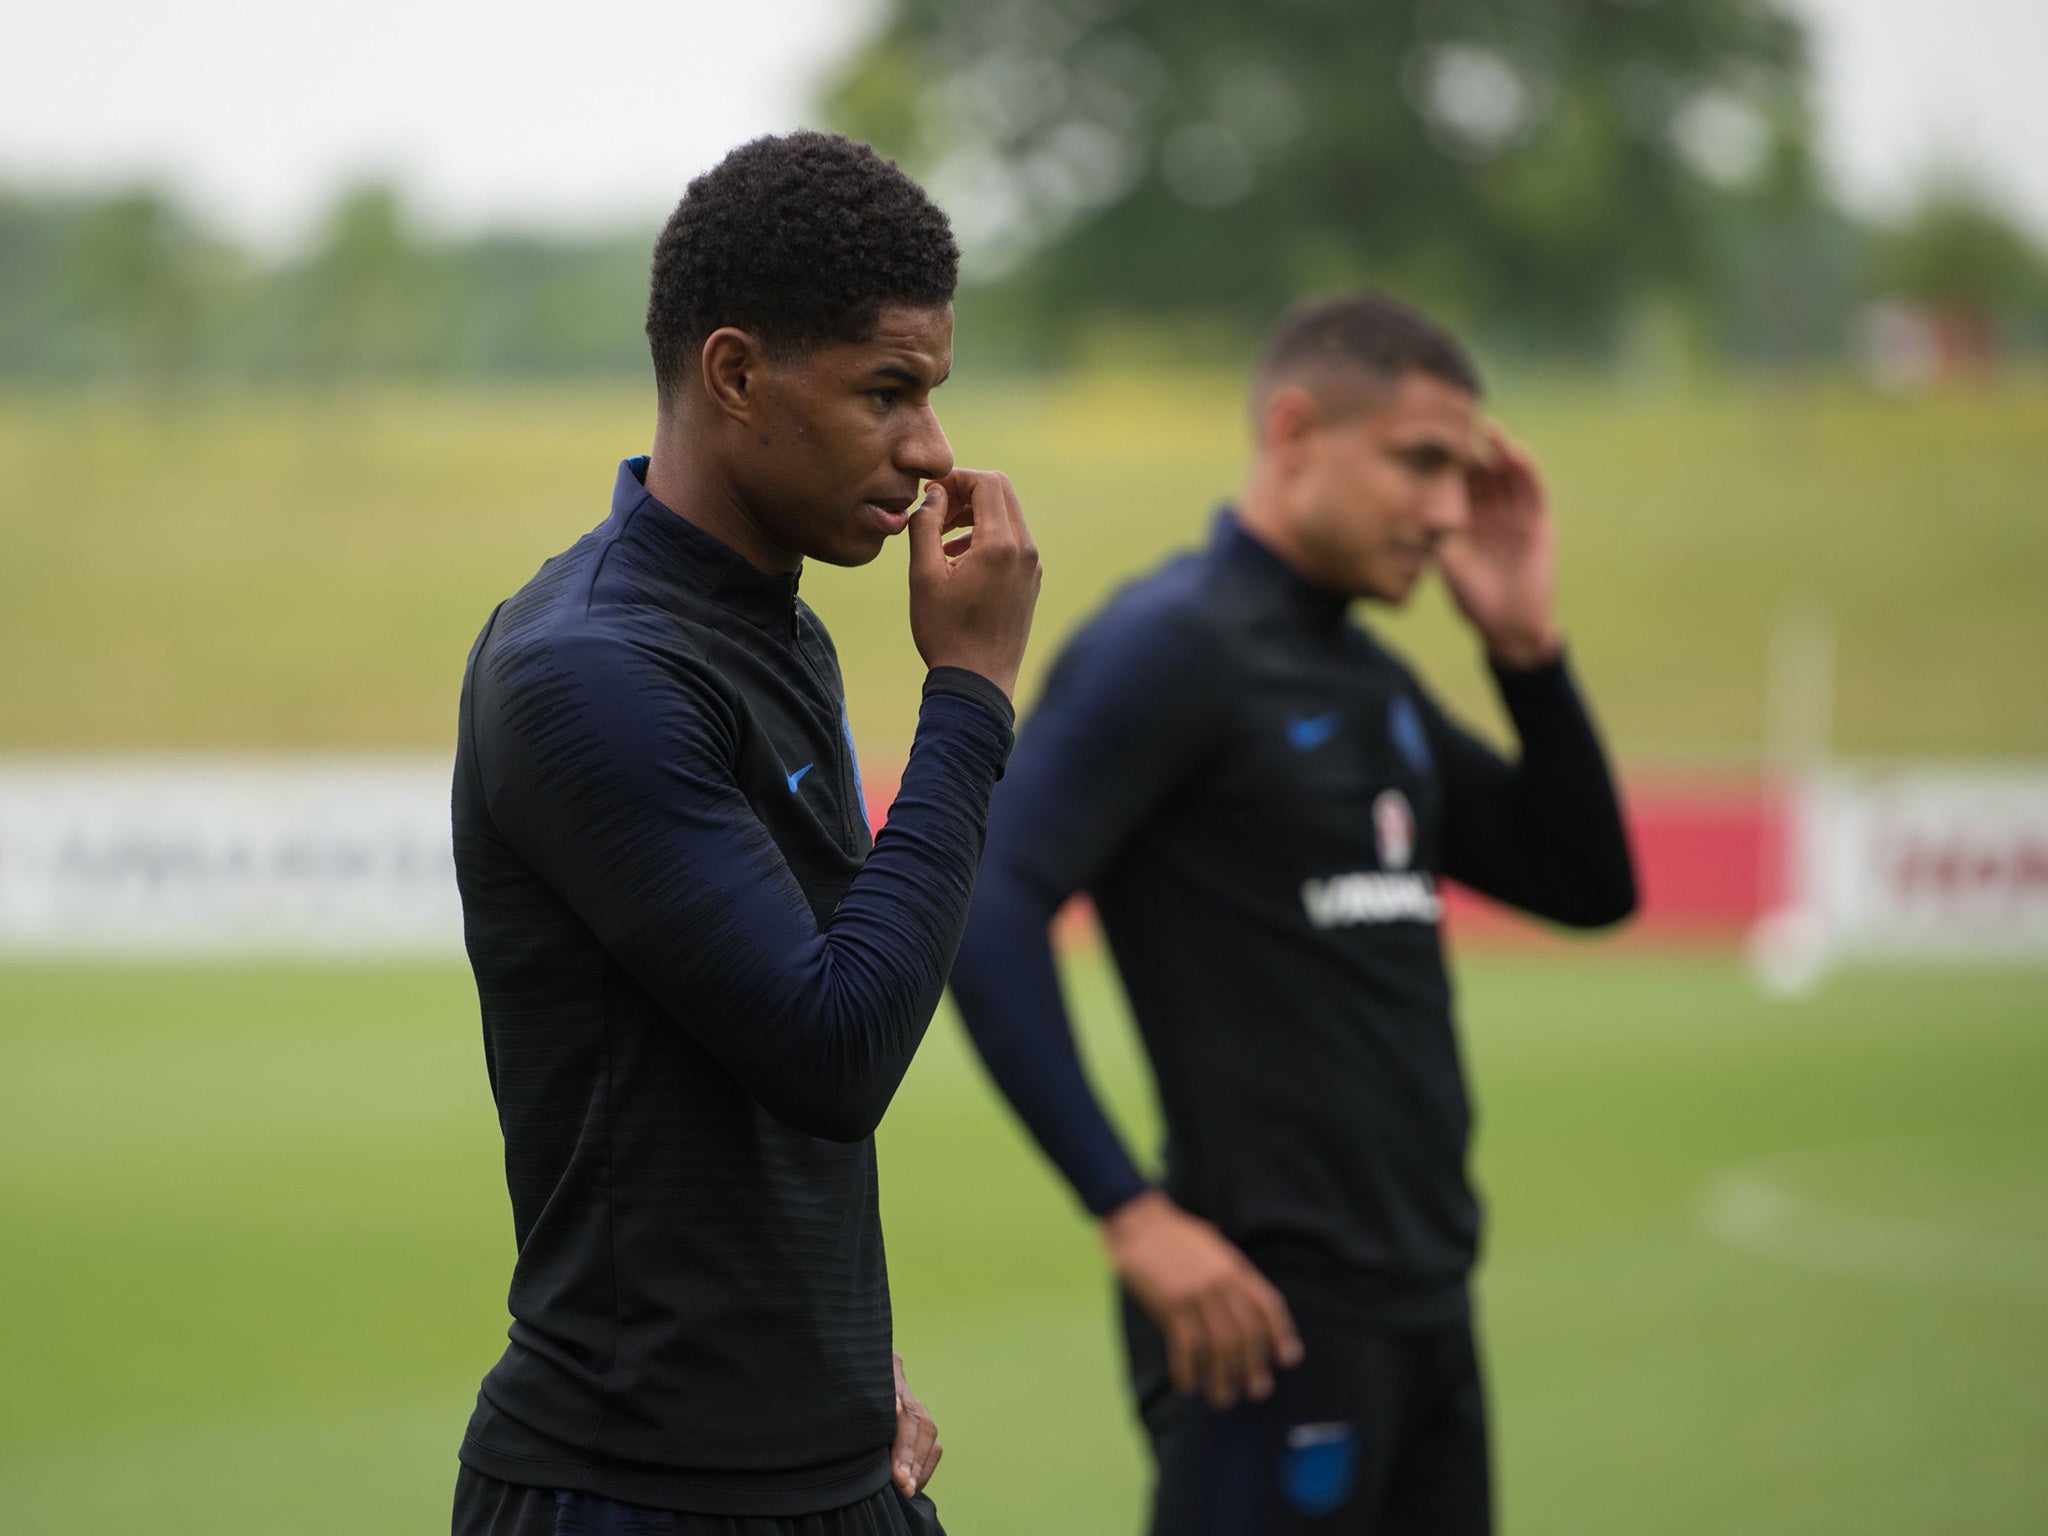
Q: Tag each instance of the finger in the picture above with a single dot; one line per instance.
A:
(1012, 509)
(903, 1449)
(927, 528)
(1518, 462)
(1224, 1364)
(1025, 542)
(958, 544)
(1183, 1350)
(924, 1453)
(931, 1463)
(992, 519)
(1505, 448)
(1254, 1350)
(960, 496)
(1284, 1337)
(1252, 1354)
(909, 1410)
(914, 1432)
(959, 486)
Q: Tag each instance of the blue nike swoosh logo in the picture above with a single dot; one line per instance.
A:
(1307, 732)
(807, 767)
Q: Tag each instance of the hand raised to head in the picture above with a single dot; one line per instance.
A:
(1502, 568)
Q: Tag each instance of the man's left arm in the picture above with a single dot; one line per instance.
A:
(1544, 832)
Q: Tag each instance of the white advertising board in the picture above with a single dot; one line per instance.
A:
(1936, 861)
(330, 856)
(1913, 863)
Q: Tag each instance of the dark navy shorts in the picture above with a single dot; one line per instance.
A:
(486, 1507)
(1378, 1432)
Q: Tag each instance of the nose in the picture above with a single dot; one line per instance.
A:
(925, 452)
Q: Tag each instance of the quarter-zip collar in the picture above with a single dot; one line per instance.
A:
(696, 560)
(1241, 552)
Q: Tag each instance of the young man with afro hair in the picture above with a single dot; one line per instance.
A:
(701, 980)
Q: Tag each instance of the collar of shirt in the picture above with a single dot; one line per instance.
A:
(1252, 563)
(696, 560)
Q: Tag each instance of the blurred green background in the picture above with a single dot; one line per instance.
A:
(1755, 1264)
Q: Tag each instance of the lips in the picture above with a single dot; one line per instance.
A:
(892, 513)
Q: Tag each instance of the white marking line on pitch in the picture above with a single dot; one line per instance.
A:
(1750, 1208)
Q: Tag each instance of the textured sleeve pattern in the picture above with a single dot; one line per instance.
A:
(1124, 716)
(1543, 833)
(609, 768)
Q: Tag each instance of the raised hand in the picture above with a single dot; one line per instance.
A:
(1502, 568)
(972, 596)
(1226, 1326)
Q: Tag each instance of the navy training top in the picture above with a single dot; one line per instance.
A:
(1260, 798)
(700, 986)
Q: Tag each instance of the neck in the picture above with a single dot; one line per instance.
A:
(1262, 512)
(693, 483)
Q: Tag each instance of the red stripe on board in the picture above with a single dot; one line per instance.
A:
(1711, 857)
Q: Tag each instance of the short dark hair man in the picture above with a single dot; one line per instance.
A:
(1260, 798)
(700, 984)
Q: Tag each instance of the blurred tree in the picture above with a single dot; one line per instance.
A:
(370, 299)
(136, 278)
(1785, 269)
(521, 304)
(33, 236)
(1958, 249)
(1533, 165)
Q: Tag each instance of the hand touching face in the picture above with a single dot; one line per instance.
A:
(1501, 567)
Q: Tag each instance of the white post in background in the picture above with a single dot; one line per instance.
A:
(1790, 946)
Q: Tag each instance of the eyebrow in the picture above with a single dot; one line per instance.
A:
(906, 378)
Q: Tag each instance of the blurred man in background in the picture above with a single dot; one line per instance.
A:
(1260, 798)
(700, 983)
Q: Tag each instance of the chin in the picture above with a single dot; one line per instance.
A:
(1394, 591)
(855, 551)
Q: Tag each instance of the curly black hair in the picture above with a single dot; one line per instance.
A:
(800, 239)
(1369, 331)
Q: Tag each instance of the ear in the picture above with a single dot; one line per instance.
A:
(732, 361)
(1290, 417)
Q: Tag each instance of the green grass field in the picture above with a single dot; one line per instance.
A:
(1755, 1267)
(304, 572)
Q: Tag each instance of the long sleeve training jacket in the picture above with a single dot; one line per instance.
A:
(1260, 799)
(700, 986)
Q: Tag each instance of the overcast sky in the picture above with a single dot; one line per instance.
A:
(489, 113)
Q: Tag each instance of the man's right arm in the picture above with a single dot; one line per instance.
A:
(1126, 715)
(610, 767)
(609, 771)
